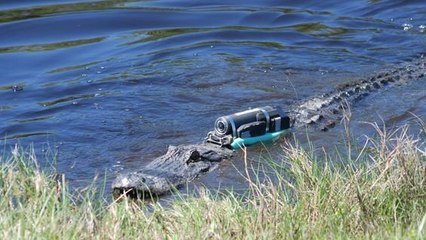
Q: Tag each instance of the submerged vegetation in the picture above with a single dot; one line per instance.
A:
(380, 193)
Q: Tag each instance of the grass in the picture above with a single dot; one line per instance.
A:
(381, 194)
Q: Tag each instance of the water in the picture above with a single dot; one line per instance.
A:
(109, 84)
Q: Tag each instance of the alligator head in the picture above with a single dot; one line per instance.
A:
(179, 165)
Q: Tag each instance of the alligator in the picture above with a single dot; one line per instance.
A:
(183, 163)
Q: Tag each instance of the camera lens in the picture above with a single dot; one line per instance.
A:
(221, 126)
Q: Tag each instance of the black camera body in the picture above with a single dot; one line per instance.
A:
(248, 124)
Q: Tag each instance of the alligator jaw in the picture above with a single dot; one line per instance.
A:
(141, 184)
(130, 185)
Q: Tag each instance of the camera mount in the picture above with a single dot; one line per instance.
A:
(249, 127)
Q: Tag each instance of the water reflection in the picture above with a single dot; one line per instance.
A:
(27, 11)
(49, 46)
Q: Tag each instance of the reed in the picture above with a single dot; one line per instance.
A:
(380, 194)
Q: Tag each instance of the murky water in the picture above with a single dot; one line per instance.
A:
(109, 84)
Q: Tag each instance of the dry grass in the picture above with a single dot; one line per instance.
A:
(381, 195)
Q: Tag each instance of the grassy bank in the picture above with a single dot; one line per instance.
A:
(381, 194)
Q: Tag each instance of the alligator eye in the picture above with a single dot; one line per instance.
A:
(195, 155)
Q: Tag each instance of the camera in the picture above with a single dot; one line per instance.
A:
(249, 124)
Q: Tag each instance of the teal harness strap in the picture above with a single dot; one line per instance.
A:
(240, 142)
